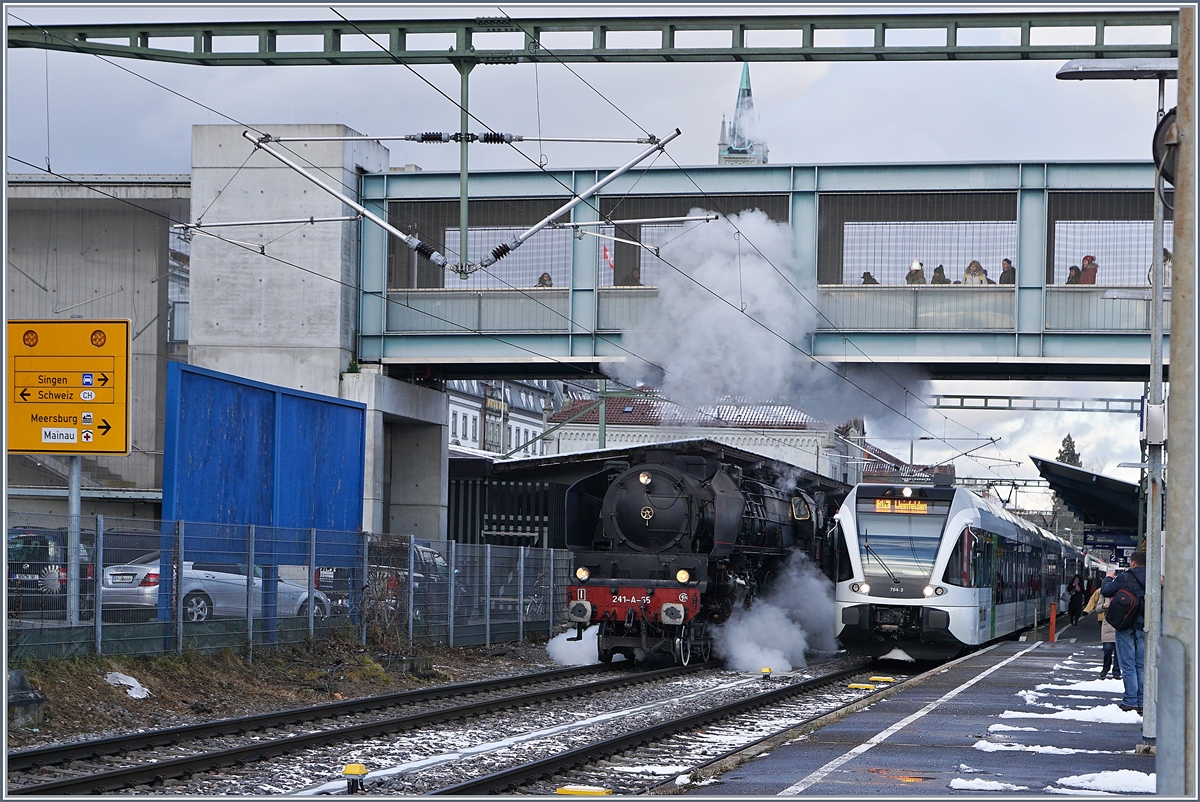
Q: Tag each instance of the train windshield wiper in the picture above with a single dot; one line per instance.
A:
(882, 564)
(912, 544)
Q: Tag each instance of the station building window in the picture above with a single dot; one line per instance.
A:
(629, 265)
(454, 424)
(474, 427)
(492, 222)
(881, 233)
(1115, 228)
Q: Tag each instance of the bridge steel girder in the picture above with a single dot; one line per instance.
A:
(137, 40)
(1024, 349)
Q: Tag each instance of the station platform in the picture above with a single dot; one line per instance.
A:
(1020, 717)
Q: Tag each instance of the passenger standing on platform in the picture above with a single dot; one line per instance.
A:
(974, 274)
(1087, 274)
(1008, 273)
(1131, 643)
(1108, 635)
(1075, 605)
(1073, 275)
(868, 278)
(939, 276)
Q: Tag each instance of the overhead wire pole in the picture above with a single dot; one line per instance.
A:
(1175, 761)
(1153, 425)
(464, 67)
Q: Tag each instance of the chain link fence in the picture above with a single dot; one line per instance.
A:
(166, 586)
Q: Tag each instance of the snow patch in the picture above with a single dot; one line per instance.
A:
(133, 687)
(1050, 789)
(1006, 728)
(899, 654)
(988, 746)
(1106, 685)
(978, 784)
(1121, 781)
(1106, 714)
(965, 769)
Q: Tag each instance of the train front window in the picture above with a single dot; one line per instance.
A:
(900, 544)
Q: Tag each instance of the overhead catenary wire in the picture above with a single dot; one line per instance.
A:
(751, 243)
(253, 128)
(259, 250)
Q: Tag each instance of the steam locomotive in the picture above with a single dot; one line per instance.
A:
(680, 537)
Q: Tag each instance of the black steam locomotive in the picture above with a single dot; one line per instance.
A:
(669, 543)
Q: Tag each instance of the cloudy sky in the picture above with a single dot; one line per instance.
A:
(87, 116)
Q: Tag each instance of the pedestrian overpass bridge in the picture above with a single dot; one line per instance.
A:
(844, 221)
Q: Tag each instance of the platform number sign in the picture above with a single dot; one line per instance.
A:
(69, 386)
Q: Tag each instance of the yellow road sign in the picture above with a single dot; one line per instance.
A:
(68, 386)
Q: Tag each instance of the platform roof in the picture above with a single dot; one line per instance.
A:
(1101, 502)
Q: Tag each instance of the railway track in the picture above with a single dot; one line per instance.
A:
(583, 765)
(23, 765)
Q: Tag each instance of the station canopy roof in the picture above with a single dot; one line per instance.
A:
(1101, 502)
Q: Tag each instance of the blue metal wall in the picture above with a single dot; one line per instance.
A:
(243, 452)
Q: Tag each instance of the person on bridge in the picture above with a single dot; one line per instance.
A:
(544, 280)
(939, 276)
(916, 273)
(1073, 275)
(1008, 273)
(1108, 635)
(868, 278)
(1087, 274)
(1131, 643)
(974, 274)
(1075, 605)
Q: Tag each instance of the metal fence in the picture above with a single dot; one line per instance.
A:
(166, 586)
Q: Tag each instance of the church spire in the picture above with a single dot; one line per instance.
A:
(741, 146)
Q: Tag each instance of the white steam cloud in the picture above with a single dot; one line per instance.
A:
(794, 615)
(576, 653)
(733, 313)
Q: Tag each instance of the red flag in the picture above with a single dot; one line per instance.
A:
(608, 258)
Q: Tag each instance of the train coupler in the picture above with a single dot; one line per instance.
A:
(579, 628)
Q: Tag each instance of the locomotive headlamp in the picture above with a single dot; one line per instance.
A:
(907, 492)
(939, 591)
(864, 588)
(582, 573)
(927, 590)
(644, 477)
(682, 576)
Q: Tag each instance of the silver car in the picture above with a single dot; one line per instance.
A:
(210, 590)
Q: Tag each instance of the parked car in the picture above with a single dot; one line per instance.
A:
(37, 571)
(210, 590)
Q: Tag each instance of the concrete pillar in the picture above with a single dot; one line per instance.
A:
(289, 320)
(419, 481)
(406, 441)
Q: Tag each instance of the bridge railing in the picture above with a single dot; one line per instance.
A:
(1082, 309)
(844, 308)
(917, 308)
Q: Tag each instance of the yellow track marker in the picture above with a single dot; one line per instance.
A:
(584, 790)
(881, 679)
(861, 686)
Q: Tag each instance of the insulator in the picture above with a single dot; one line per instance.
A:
(469, 137)
(425, 249)
(435, 136)
(491, 138)
(500, 251)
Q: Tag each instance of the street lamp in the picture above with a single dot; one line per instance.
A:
(1159, 69)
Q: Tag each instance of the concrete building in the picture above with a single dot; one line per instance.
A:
(773, 430)
(498, 416)
(100, 246)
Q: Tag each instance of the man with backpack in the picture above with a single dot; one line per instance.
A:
(1126, 613)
